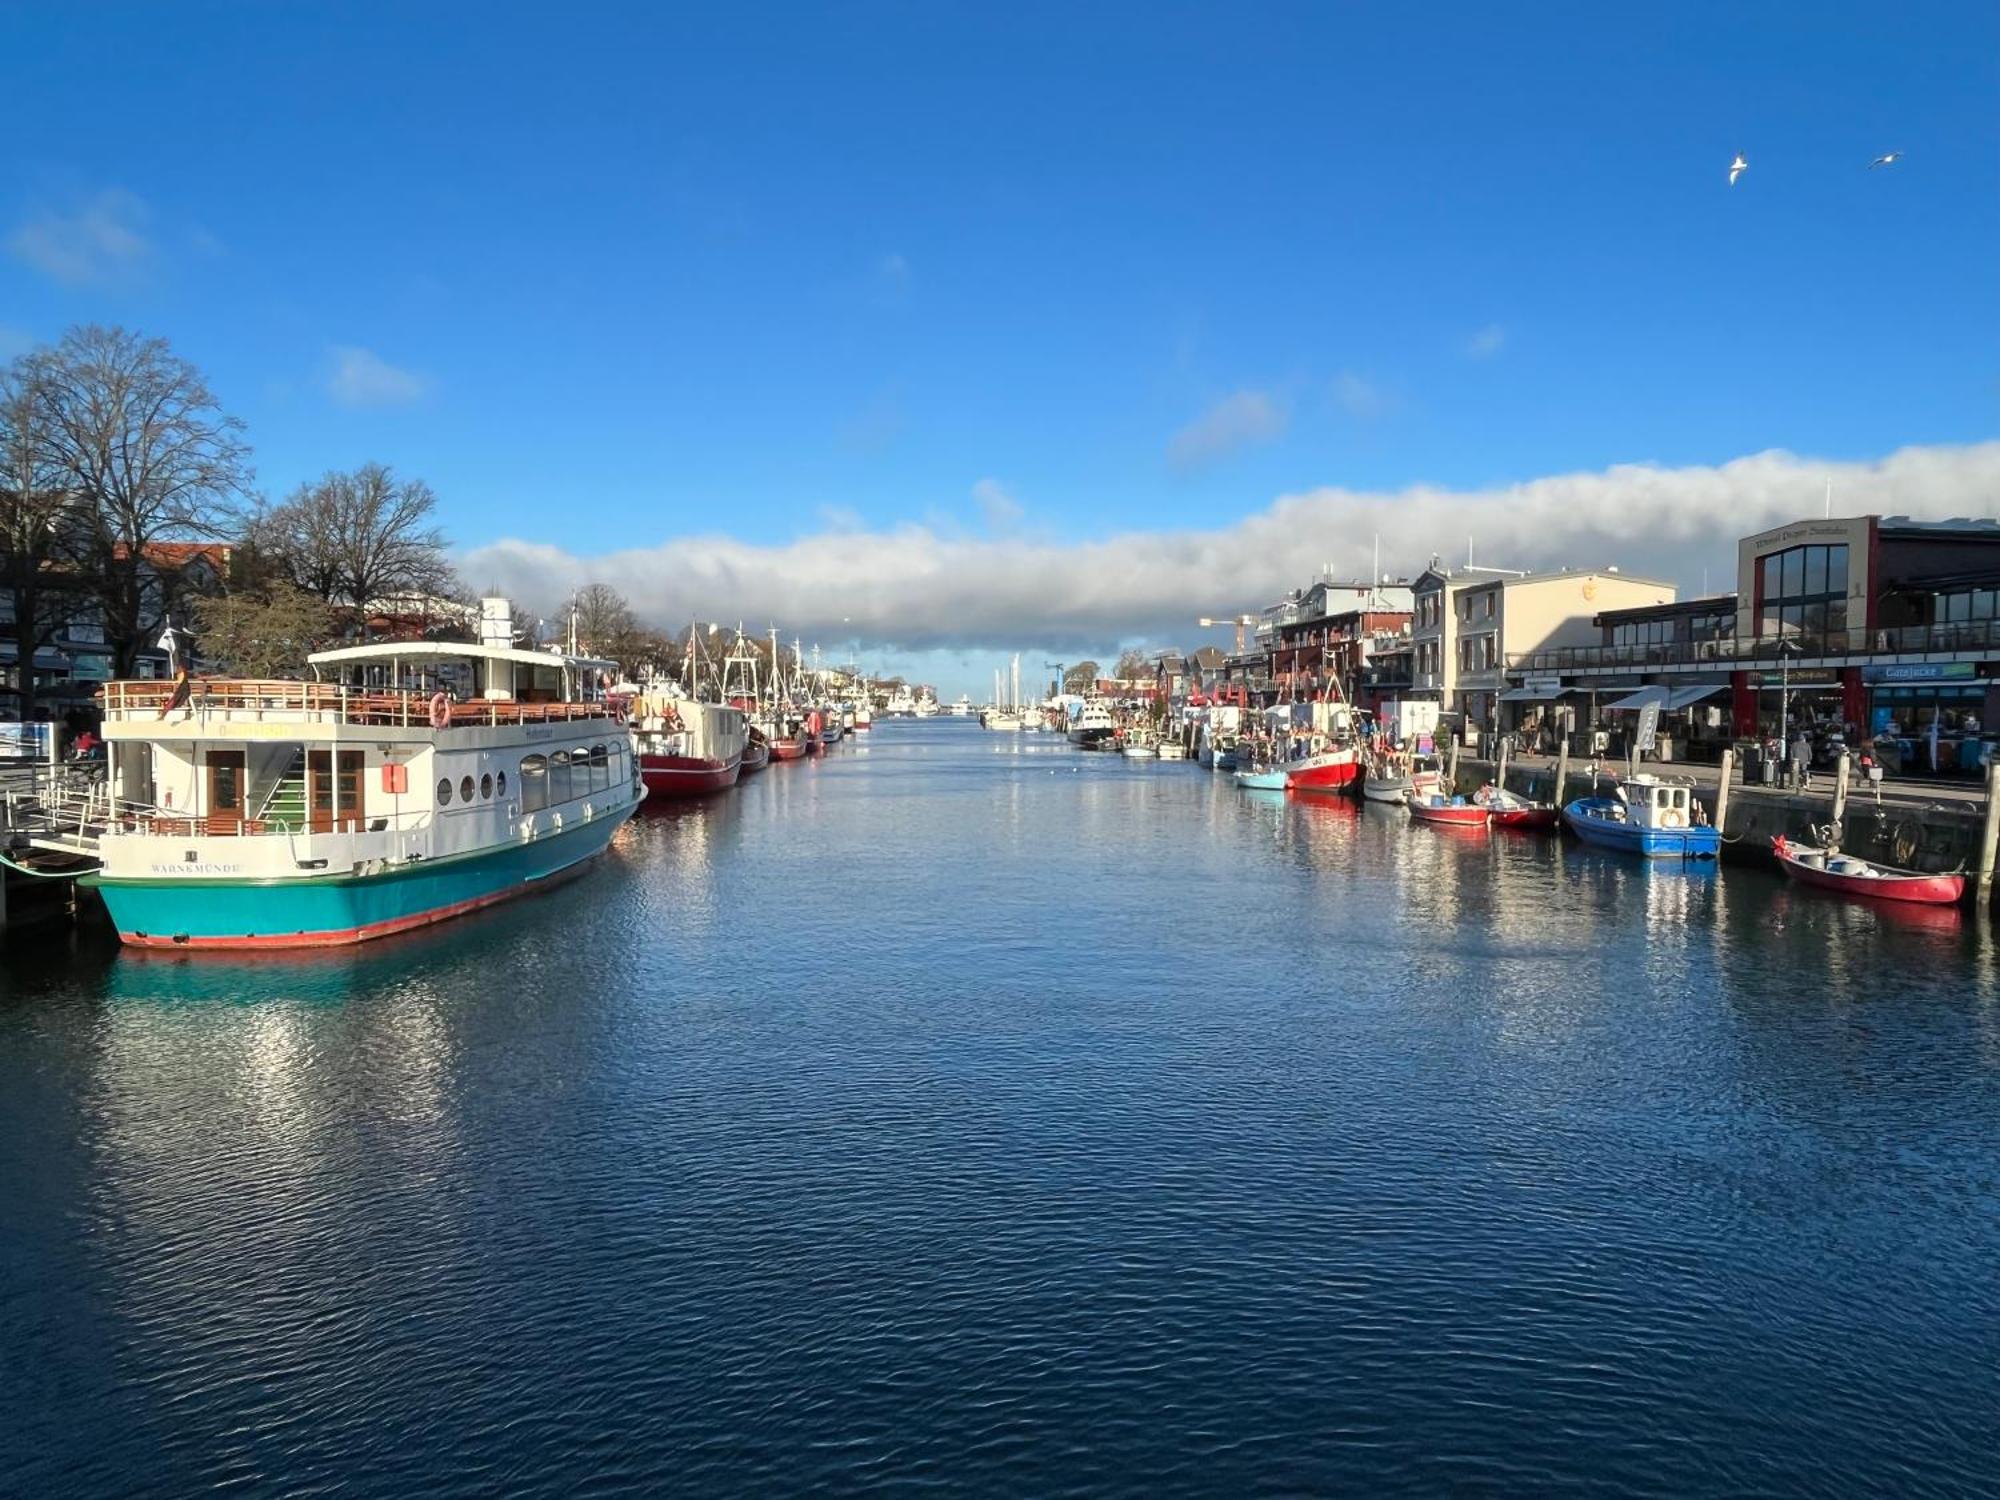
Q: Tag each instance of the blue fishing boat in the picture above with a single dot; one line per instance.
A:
(1652, 816)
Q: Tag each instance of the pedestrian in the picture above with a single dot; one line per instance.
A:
(1801, 761)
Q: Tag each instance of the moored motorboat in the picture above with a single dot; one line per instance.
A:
(756, 753)
(1447, 812)
(1272, 780)
(1091, 726)
(1172, 750)
(1507, 810)
(1646, 815)
(1828, 869)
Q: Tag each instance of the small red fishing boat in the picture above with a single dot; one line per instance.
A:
(1830, 870)
(1448, 812)
(1505, 810)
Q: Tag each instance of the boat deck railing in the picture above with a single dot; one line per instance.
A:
(324, 703)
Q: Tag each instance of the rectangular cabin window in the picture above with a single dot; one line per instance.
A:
(534, 783)
(600, 767)
(559, 775)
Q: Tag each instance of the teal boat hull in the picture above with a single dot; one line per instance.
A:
(332, 911)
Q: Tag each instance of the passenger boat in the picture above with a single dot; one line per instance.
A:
(1507, 810)
(1447, 812)
(409, 783)
(1648, 815)
(1092, 727)
(685, 748)
(1830, 870)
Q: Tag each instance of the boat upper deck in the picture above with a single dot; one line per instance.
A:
(145, 709)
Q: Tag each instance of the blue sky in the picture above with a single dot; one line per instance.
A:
(610, 276)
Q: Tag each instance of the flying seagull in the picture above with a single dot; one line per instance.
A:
(1737, 168)
(1887, 159)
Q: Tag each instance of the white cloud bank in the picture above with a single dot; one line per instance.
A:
(361, 377)
(914, 589)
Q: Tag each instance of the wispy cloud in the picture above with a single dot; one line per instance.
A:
(1238, 420)
(1487, 342)
(1359, 397)
(361, 377)
(922, 588)
(99, 239)
(999, 509)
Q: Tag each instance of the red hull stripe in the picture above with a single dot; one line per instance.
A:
(343, 937)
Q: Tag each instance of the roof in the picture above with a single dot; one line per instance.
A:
(1672, 609)
(1555, 574)
(452, 651)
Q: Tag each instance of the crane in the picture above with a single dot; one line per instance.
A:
(1241, 622)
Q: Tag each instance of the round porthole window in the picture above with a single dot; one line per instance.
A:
(503, 783)
(486, 786)
(465, 789)
(444, 792)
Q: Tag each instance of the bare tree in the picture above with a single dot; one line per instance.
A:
(134, 434)
(1132, 665)
(602, 616)
(36, 516)
(358, 540)
(1081, 678)
(263, 632)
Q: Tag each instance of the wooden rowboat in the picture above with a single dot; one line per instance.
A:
(1830, 870)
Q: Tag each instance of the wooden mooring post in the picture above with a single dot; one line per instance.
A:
(1451, 769)
(1562, 773)
(1989, 836)
(1728, 770)
(1500, 770)
(1840, 775)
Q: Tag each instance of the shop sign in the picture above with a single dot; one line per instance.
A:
(1797, 677)
(1920, 671)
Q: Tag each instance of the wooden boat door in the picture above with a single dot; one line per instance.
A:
(333, 790)
(225, 789)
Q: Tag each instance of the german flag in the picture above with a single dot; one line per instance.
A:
(179, 697)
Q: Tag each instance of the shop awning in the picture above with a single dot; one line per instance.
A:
(1687, 697)
(1530, 694)
(1646, 697)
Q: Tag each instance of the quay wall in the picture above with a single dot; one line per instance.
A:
(1933, 836)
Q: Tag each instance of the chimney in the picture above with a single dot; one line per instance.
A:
(496, 623)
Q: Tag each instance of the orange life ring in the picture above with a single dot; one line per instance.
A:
(440, 711)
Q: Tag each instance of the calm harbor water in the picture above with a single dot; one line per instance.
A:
(964, 1114)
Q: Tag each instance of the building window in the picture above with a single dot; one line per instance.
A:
(1803, 592)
